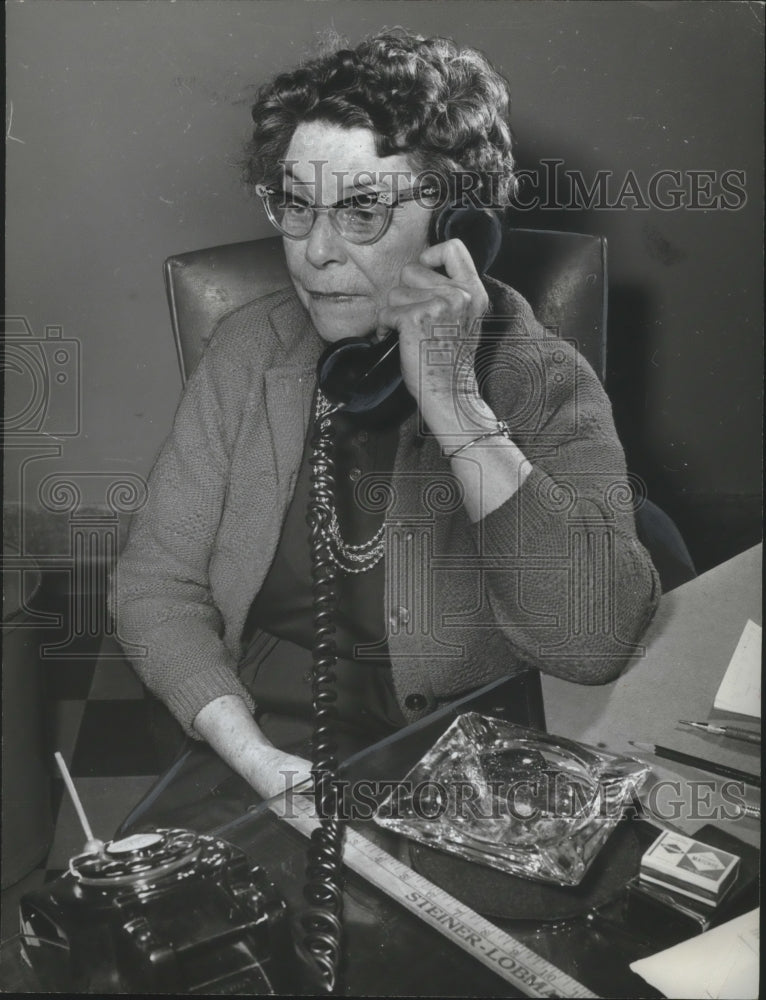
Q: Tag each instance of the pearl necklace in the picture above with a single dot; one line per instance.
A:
(351, 558)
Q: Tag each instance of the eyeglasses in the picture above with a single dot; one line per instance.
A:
(362, 218)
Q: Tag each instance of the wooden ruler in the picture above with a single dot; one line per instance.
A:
(518, 965)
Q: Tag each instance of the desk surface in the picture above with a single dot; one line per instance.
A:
(686, 651)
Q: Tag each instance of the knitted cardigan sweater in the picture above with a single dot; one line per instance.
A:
(554, 578)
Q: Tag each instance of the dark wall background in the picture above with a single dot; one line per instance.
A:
(127, 120)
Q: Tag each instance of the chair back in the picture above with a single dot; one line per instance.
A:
(561, 275)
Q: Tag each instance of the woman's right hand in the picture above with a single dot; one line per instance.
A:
(229, 728)
(276, 771)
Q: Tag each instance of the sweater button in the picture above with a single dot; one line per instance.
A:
(398, 617)
(355, 475)
(415, 702)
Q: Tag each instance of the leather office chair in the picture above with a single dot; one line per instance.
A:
(563, 276)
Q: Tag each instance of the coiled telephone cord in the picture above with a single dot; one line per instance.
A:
(323, 891)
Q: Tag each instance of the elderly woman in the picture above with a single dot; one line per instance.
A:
(498, 544)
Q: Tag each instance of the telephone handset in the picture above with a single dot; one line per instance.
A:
(366, 377)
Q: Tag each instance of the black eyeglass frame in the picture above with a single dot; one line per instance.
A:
(386, 198)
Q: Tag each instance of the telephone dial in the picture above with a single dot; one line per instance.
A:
(364, 377)
(169, 911)
(175, 911)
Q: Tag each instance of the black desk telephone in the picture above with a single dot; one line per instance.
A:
(365, 377)
(169, 911)
(174, 911)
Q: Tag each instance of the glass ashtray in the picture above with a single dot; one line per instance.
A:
(523, 801)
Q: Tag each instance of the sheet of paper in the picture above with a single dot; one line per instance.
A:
(721, 964)
(740, 689)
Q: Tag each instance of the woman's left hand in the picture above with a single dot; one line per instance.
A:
(438, 316)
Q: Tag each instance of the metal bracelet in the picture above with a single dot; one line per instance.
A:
(502, 430)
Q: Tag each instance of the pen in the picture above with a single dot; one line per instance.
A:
(754, 812)
(713, 767)
(735, 732)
